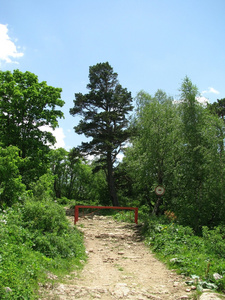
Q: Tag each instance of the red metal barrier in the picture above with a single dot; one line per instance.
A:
(76, 211)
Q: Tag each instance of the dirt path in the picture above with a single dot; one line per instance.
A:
(119, 266)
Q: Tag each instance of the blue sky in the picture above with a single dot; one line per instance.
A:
(151, 44)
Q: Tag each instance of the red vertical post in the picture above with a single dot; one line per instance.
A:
(136, 215)
(76, 214)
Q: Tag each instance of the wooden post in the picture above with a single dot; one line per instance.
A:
(76, 214)
(136, 215)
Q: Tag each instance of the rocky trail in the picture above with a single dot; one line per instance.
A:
(120, 266)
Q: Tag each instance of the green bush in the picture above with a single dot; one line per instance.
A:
(215, 240)
(36, 238)
(64, 201)
(19, 265)
(52, 234)
(189, 254)
(44, 216)
(43, 188)
(11, 186)
(124, 216)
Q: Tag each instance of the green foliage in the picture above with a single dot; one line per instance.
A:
(218, 108)
(45, 216)
(150, 160)
(98, 186)
(199, 175)
(26, 107)
(104, 113)
(76, 179)
(35, 239)
(215, 239)
(124, 216)
(64, 201)
(191, 255)
(11, 187)
(59, 167)
(43, 187)
(180, 146)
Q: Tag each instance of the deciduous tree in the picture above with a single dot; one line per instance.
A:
(26, 106)
(200, 172)
(151, 157)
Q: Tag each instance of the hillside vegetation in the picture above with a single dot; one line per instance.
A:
(36, 241)
(175, 145)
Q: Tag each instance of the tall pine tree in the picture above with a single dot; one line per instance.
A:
(104, 112)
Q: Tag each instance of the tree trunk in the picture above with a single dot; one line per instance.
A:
(57, 190)
(155, 211)
(111, 182)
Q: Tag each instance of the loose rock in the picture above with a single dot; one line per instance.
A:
(119, 266)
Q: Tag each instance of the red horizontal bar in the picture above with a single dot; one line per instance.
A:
(102, 207)
(76, 212)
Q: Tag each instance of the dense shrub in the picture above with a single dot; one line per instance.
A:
(215, 241)
(191, 255)
(45, 216)
(43, 187)
(35, 238)
(11, 186)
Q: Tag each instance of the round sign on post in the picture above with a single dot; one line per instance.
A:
(159, 190)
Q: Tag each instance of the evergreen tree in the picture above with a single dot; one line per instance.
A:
(105, 119)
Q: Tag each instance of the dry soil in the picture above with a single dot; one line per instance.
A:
(119, 266)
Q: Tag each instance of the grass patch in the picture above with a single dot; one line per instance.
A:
(124, 216)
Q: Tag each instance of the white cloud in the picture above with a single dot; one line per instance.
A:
(8, 49)
(210, 90)
(120, 157)
(202, 100)
(58, 134)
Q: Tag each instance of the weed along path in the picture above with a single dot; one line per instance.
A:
(119, 266)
